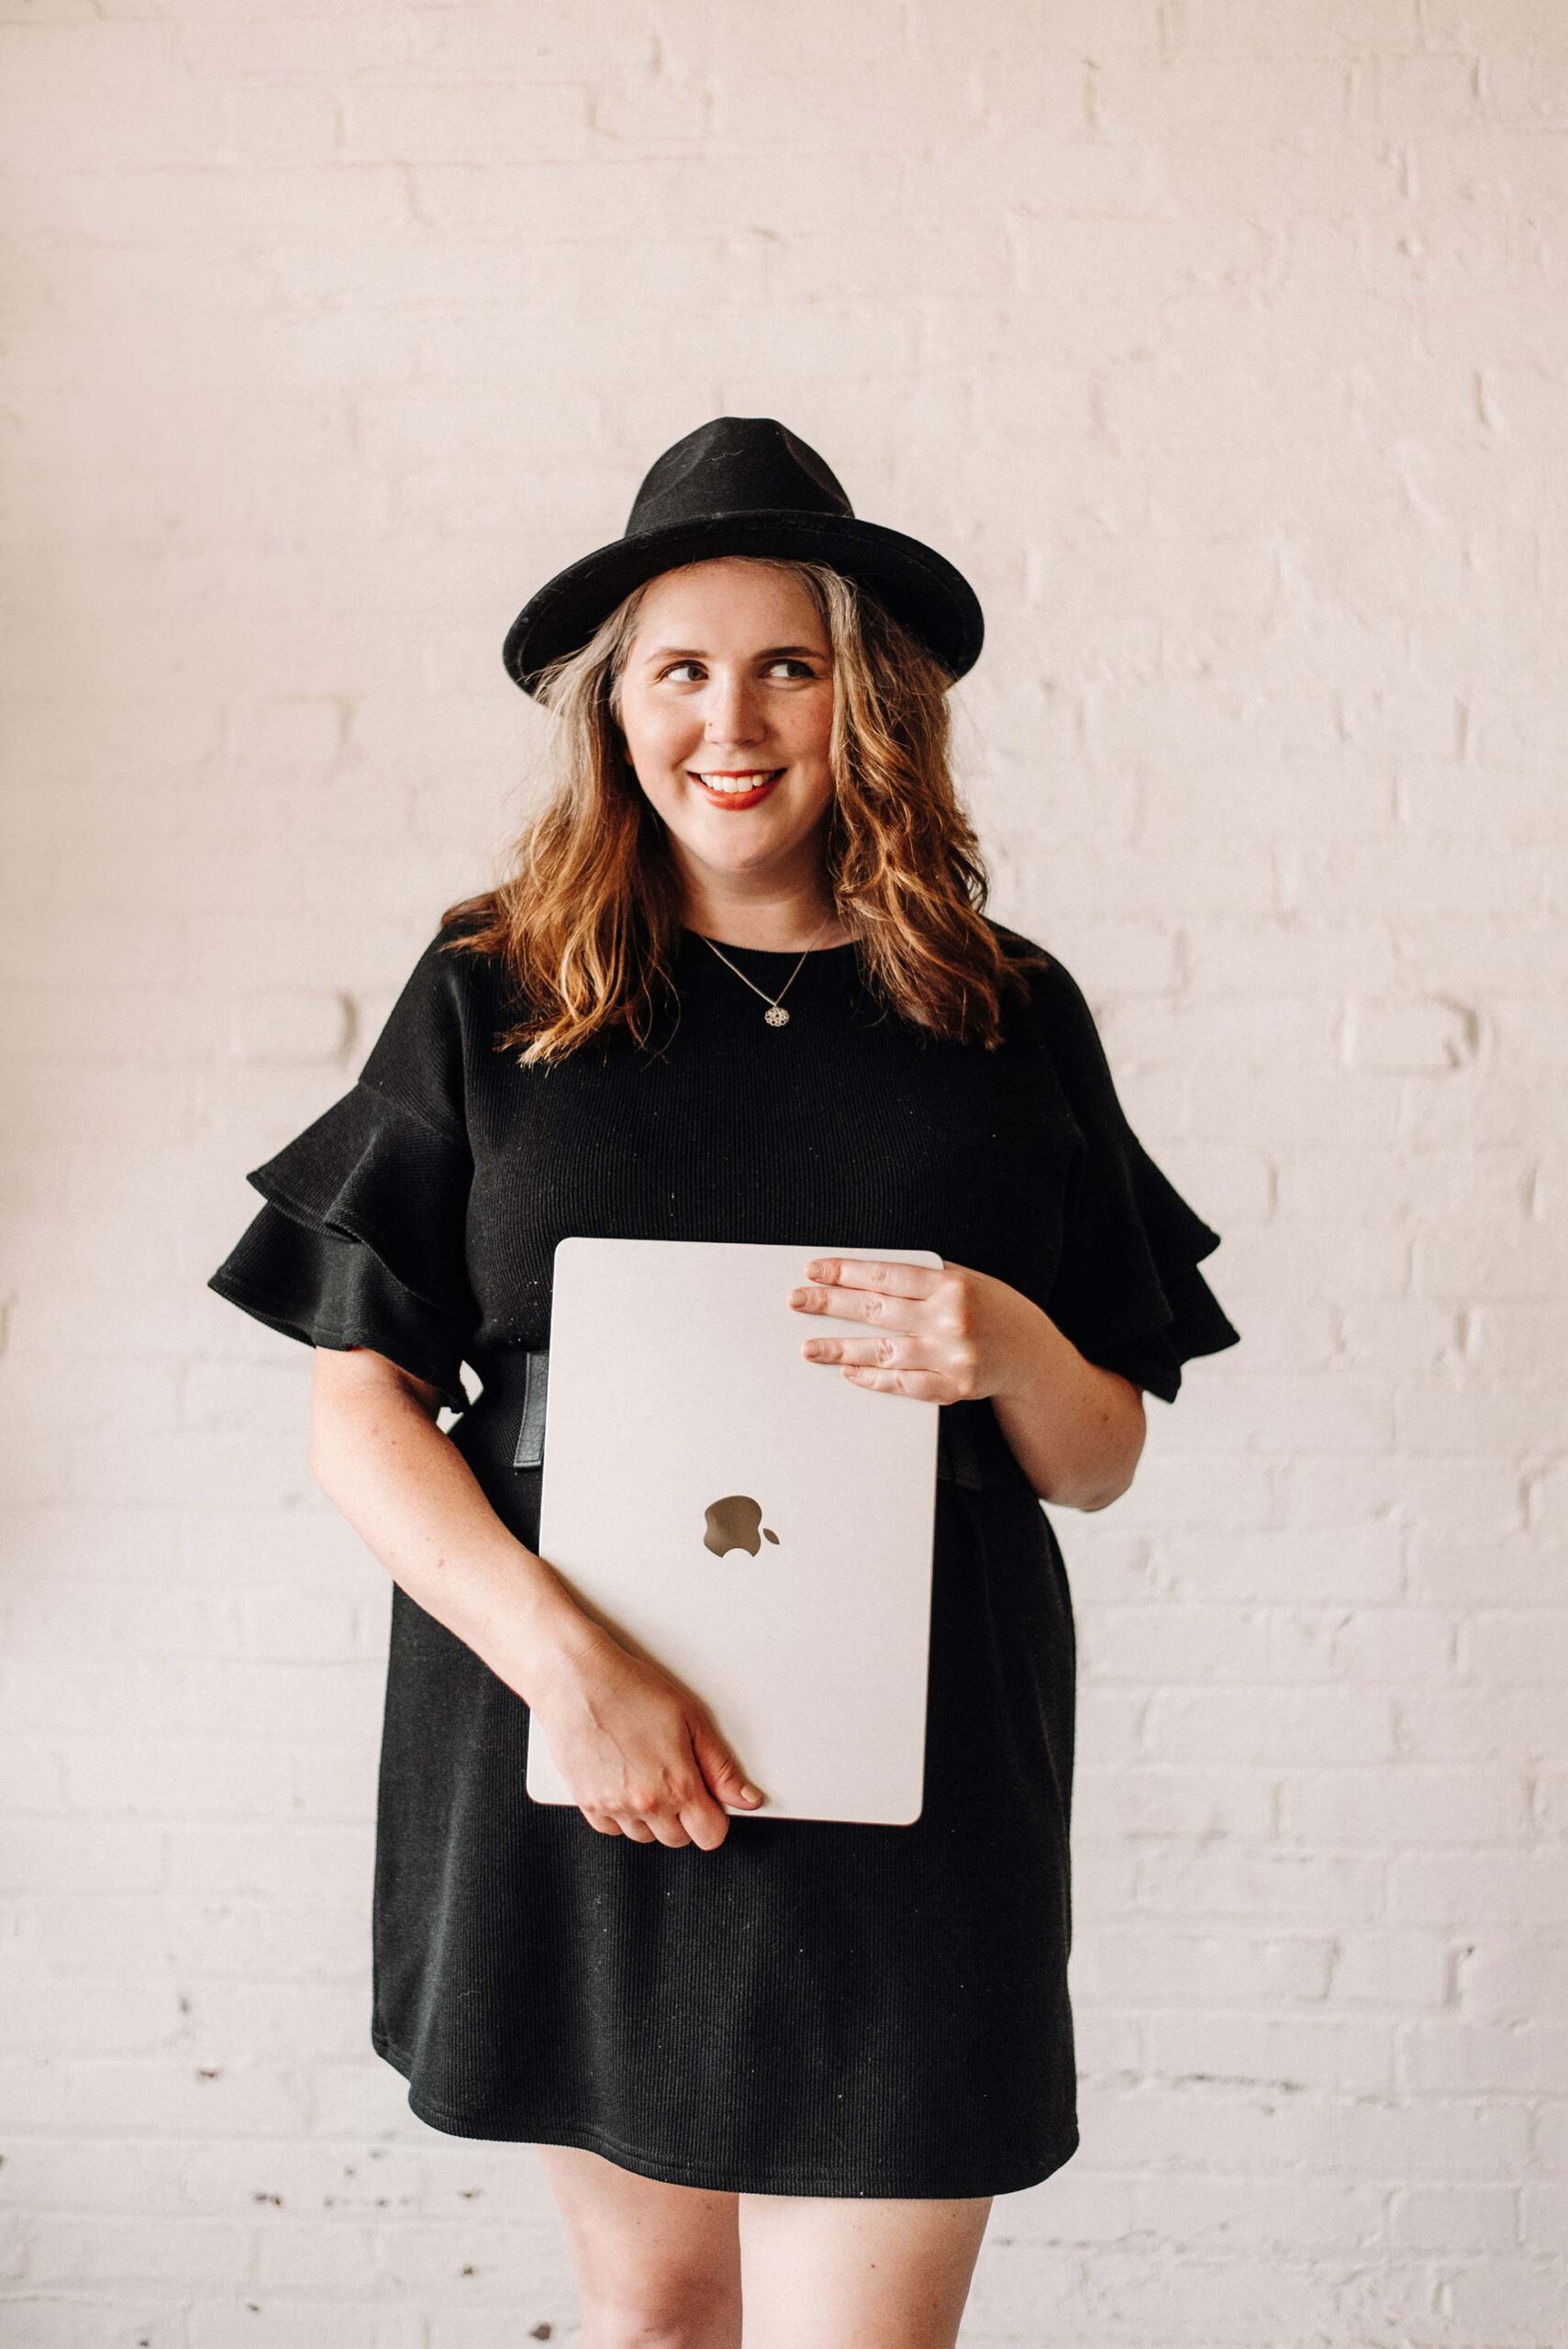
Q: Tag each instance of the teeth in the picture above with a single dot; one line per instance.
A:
(733, 784)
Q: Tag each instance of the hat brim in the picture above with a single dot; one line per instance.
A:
(918, 586)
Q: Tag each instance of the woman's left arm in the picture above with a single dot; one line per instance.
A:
(957, 1336)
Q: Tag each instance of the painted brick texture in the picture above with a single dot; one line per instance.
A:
(1223, 344)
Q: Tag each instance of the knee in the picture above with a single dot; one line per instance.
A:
(664, 2311)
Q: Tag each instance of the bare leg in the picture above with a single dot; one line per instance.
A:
(881, 2275)
(658, 2266)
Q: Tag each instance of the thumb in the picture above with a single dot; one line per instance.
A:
(719, 1767)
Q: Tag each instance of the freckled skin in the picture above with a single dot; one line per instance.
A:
(753, 875)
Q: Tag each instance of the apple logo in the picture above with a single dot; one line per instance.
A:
(734, 1523)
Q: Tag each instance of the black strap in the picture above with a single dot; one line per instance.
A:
(529, 1452)
(958, 1456)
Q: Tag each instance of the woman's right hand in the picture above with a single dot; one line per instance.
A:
(641, 1755)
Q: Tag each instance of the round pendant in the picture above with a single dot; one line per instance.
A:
(776, 1016)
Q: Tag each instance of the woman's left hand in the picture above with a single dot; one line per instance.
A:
(952, 1336)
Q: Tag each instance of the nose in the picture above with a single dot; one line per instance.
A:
(732, 714)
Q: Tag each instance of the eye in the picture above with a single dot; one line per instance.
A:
(802, 669)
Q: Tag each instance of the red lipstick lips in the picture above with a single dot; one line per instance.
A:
(735, 798)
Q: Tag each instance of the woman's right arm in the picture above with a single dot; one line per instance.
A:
(644, 1751)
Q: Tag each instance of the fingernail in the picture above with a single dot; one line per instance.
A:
(750, 1794)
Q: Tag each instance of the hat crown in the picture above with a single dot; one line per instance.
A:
(735, 464)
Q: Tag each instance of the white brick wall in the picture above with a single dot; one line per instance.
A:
(1222, 341)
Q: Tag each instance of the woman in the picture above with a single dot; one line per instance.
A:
(737, 986)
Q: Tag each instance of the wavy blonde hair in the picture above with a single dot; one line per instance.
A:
(590, 915)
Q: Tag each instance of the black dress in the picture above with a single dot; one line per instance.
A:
(818, 2008)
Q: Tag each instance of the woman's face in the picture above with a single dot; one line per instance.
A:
(729, 682)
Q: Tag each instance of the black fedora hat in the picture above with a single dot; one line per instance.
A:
(743, 484)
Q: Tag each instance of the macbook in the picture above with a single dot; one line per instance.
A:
(750, 1519)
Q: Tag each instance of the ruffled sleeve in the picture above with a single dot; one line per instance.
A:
(1127, 1291)
(361, 1241)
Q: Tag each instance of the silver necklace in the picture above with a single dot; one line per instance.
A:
(776, 1014)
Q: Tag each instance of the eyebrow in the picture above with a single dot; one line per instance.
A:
(773, 652)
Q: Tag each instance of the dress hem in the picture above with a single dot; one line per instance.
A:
(669, 2171)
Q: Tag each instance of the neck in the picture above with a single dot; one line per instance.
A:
(786, 924)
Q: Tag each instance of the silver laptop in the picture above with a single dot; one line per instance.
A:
(754, 1521)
